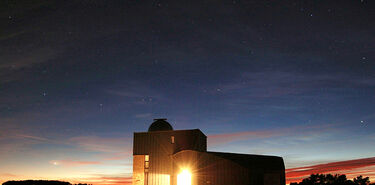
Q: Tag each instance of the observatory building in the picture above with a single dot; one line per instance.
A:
(163, 156)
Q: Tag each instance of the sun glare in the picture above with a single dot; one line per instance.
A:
(184, 178)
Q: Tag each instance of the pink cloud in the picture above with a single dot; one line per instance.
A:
(71, 163)
(215, 139)
(229, 137)
(117, 156)
(112, 148)
(24, 136)
(8, 175)
(106, 180)
(102, 144)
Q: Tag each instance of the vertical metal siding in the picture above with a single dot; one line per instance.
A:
(156, 142)
(160, 149)
(212, 170)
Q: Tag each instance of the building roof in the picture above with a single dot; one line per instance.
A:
(160, 125)
(251, 161)
(258, 163)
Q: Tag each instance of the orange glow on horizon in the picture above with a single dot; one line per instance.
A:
(351, 168)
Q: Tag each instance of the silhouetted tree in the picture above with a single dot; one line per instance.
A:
(361, 181)
(329, 179)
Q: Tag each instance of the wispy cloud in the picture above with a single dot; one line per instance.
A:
(139, 93)
(284, 83)
(120, 179)
(72, 163)
(229, 137)
(297, 174)
(13, 140)
(129, 94)
(134, 90)
(20, 61)
(145, 115)
(8, 175)
(31, 137)
(223, 138)
(106, 149)
(102, 144)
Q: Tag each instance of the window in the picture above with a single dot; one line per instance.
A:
(147, 162)
(172, 139)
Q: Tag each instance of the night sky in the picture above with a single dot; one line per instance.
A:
(289, 78)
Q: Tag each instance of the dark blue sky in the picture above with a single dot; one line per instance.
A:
(268, 77)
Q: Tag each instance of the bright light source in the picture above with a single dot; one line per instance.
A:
(184, 178)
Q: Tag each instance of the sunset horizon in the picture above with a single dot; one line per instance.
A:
(295, 173)
(351, 168)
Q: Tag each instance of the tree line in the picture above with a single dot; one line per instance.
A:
(329, 179)
(40, 182)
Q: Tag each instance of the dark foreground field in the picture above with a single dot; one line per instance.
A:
(40, 182)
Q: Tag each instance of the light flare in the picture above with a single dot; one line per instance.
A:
(184, 178)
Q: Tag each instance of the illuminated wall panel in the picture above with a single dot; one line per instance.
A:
(138, 169)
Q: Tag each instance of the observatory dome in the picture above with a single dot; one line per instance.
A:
(160, 125)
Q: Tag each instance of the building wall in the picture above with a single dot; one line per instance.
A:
(138, 169)
(189, 151)
(159, 148)
(160, 142)
(190, 140)
(272, 179)
(158, 145)
(208, 169)
(263, 170)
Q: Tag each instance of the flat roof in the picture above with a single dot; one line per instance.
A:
(250, 161)
(197, 129)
